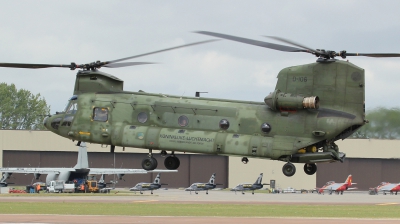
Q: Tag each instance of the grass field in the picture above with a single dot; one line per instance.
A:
(226, 210)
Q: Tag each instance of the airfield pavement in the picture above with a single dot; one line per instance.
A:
(215, 196)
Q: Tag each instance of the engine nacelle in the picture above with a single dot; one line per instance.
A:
(120, 175)
(286, 101)
(37, 175)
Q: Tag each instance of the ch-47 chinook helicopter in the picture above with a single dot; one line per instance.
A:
(313, 105)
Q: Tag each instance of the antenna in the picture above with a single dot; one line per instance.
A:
(198, 93)
(182, 94)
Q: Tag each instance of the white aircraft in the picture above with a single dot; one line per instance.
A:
(80, 170)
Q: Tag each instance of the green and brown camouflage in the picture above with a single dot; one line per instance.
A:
(313, 105)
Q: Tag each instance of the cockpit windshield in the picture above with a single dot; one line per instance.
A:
(72, 106)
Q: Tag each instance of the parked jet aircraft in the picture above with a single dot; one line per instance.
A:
(250, 187)
(202, 186)
(80, 170)
(386, 187)
(331, 186)
(148, 186)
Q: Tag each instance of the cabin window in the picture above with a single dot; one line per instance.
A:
(224, 124)
(142, 117)
(100, 114)
(183, 121)
(265, 127)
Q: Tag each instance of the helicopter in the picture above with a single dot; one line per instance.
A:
(312, 106)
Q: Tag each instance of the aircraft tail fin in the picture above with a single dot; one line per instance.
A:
(212, 179)
(82, 162)
(102, 178)
(157, 179)
(349, 180)
(259, 179)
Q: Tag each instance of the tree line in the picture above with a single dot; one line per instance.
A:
(20, 109)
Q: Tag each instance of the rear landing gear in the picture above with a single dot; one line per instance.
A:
(310, 168)
(245, 160)
(289, 169)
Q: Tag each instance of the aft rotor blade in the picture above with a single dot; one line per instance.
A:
(254, 42)
(125, 64)
(32, 66)
(375, 55)
(292, 43)
(159, 51)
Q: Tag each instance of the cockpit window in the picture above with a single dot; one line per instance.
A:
(100, 114)
(72, 105)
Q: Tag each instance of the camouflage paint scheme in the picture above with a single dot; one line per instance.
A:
(297, 134)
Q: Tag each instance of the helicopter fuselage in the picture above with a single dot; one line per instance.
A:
(279, 129)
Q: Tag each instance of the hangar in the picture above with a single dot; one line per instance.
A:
(370, 161)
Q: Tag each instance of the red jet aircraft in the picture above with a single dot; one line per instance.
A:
(386, 187)
(331, 186)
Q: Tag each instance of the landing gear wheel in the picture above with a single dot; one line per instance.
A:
(310, 168)
(149, 163)
(172, 162)
(245, 160)
(289, 169)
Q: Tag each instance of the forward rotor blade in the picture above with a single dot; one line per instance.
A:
(155, 52)
(32, 66)
(254, 42)
(125, 64)
(375, 55)
(292, 43)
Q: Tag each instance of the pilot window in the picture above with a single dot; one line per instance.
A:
(73, 107)
(100, 114)
(67, 120)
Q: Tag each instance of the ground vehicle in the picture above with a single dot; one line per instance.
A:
(86, 186)
(57, 186)
(289, 190)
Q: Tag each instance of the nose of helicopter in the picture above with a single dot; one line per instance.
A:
(52, 122)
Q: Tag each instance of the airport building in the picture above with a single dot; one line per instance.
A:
(370, 161)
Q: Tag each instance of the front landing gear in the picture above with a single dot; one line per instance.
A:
(149, 163)
(310, 168)
(289, 169)
(172, 162)
(245, 160)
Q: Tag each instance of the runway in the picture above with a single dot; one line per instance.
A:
(175, 196)
(218, 196)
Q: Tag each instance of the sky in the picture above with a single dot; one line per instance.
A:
(61, 32)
